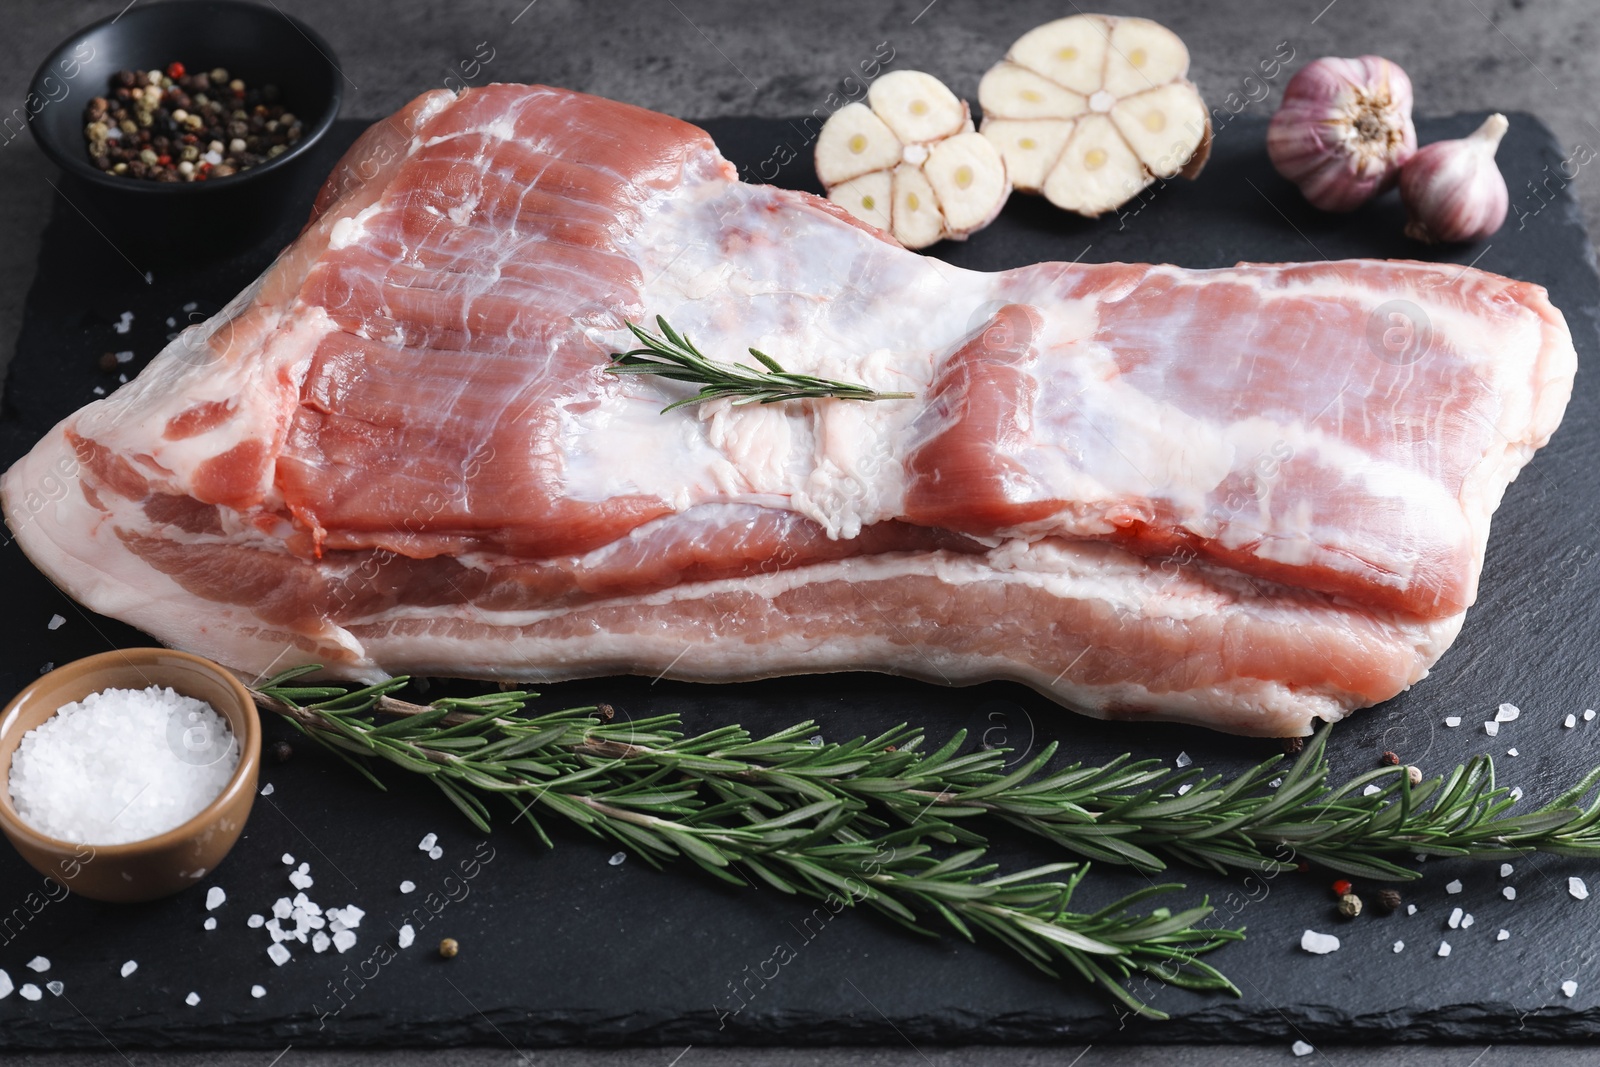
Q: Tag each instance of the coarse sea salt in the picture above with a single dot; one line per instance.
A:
(1444, 948)
(38, 965)
(56, 988)
(1183, 759)
(30, 991)
(258, 991)
(1491, 728)
(1509, 892)
(1502, 935)
(1453, 887)
(1577, 888)
(122, 765)
(1399, 946)
(215, 897)
(1452, 721)
(1507, 713)
(1570, 721)
(1570, 988)
(278, 953)
(407, 886)
(129, 967)
(1319, 944)
(1301, 1048)
(1505, 870)
(1455, 919)
(406, 936)
(56, 622)
(1588, 714)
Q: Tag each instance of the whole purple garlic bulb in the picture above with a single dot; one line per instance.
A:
(1343, 130)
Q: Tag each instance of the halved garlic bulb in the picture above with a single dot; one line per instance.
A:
(909, 161)
(1091, 109)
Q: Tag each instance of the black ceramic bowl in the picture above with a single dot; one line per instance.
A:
(256, 43)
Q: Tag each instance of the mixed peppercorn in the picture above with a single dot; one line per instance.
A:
(174, 126)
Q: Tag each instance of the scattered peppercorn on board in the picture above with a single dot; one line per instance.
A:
(577, 946)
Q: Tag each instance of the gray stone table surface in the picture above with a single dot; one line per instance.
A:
(704, 58)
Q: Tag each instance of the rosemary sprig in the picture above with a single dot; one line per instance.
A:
(671, 355)
(657, 799)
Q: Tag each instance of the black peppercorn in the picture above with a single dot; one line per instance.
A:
(1388, 900)
(1293, 746)
(282, 751)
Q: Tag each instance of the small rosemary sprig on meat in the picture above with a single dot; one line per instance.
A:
(671, 355)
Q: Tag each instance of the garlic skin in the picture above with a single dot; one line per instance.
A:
(1343, 130)
(1453, 190)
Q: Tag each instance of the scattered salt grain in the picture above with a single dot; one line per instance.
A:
(1502, 935)
(267, 789)
(279, 954)
(1577, 888)
(124, 322)
(343, 940)
(1467, 920)
(1371, 789)
(30, 991)
(171, 322)
(215, 896)
(255, 922)
(1185, 787)
(1570, 721)
(1491, 728)
(1452, 721)
(258, 991)
(1588, 714)
(281, 908)
(122, 765)
(1399, 946)
(56, 988)
(406, 936)
(407, 886)
(436, 852)
(1319, 944)
(301, 878)
(5, 985)
(192, 999)
(1516, 792)
(287, 859)
(1455, 919)
(1507, 713)
(1275, 783)
(1411, 909)
(1453, 887)
(56, 622)
(617, 858)
(210, 923)
(99, 390)
(1512, 752)
(1509, 892)
(427, 842)
(129, 967)
(1569, 987)
(124, 357)
(1183, 759)
(1444, 948)
(1300, 1048)
(320, 942)
(190, 306)
(1505, 870)
(38, 965)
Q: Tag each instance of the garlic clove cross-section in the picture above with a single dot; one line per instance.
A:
(910, 162)
(1091, 109)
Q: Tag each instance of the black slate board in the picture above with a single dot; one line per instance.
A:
(563, 947)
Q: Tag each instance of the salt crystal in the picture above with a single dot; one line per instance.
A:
(1452, 721)
(1411, 909)
(1502, 935)
(215, 896)
(1505, 870)
(1511, 752)
(1588, 715)
(267, 789)
(300, 879)
(279, 954)
(1183, 759)
(1491, 728)
(1444, 948)
(38, 965)
(255, 922)
(129, 967)
(99, 390)
(435, 852)
(122, 379)
(1455, 919)
(1509, 892)
(1371, 789)
(1319, 944)
(1275, 783)
(5, 985)
(123, 324)
(427, 842)
(407, 886)
(1516, 792)
(1467, 920)
(343, 940)
(258, 991)
(281, 908)
(1569, 987)
(56, 988)
(190, 306)
(1399, 946)
(1576, 887)
(171, 321)
(1570, 721)
(1507, 713)
(617, 858)
(122, 765)
(1300, 1048)
(1185, 787)
(210, 923)
(320, 942)
(407, 936)
(1453, 887)
(352, 916)
(192, 999)
(124, 357)
(1422, 857)
(287, 859)
(30, 991)
(56, 622)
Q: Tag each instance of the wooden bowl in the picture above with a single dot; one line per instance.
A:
(156, 866)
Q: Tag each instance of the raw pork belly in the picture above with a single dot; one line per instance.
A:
(1145, 491)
